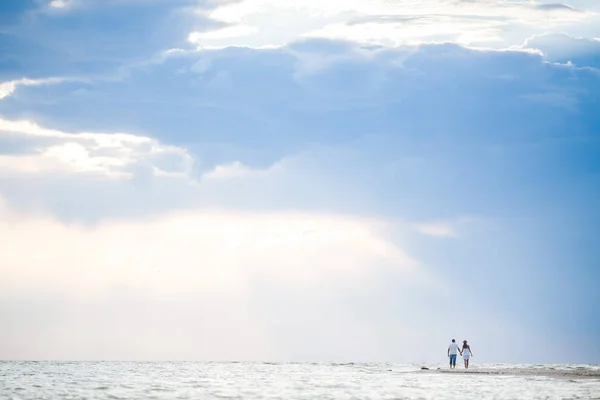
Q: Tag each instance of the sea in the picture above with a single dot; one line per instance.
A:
(254, 380)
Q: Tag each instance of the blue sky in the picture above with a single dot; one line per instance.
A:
(356, 180)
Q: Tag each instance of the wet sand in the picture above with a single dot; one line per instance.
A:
(575, 373)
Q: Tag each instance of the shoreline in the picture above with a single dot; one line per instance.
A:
(531, 372)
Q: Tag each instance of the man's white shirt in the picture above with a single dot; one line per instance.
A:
(453, 348)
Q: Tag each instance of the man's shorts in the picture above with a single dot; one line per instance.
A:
(453, 359)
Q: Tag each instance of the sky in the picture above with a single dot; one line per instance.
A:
(300, 180)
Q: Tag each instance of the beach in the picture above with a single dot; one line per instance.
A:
(549, 371)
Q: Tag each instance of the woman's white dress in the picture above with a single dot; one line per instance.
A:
(466, 353)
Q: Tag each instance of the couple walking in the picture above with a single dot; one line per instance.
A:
(465, 352)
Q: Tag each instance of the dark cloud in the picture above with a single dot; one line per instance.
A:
(94, 37)
(555, 7)
(403, 115)
(258, 105)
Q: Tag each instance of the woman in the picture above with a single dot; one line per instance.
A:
(466, 353)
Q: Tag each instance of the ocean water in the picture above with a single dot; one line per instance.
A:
(195, 380)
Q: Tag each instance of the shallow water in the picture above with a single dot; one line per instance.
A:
(191, 380)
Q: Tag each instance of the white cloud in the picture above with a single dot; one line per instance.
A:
(9, 87)
(192, 252)
(113, 155)
(231, 171)
(224, 33)
(270, 22)
(435, 28)
(171, 284)
(438, 229)
(59, 4)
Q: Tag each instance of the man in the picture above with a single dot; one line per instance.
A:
(453, 350)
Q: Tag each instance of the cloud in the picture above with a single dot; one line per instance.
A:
(227, 32)
(319, 124)
(201, 271)
(230, 171)
(76, 38)
(438, 229)
(73, 39)
(93, 176)
(193, 252)
(9, 87)
(113, 155)
(582, 52)
(216, 96)
(58, 4)
(387, 22)
(183, 285)
(556, 7)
